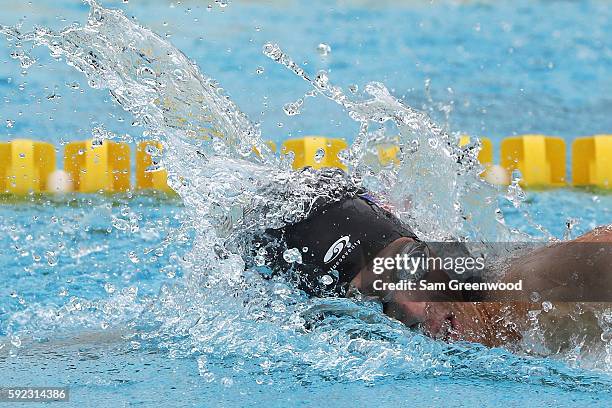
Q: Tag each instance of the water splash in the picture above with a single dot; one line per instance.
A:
(231, 183)
(187, 112)
(436, 187)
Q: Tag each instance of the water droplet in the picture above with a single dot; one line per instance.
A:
(326, 280)
(323, 49)
(535, 297)
(305, 249)
(51, 258)
(97, 15)
(547, 306)
(120, 223)
(260, 260)
(63, 292)
(133, 257)
(25, 61)
(10, 123)
(259, 70)
(293, 108)
(109, 288)
(319, 155)
(292, 255)
(131, 291)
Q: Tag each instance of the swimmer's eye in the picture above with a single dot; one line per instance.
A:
(420, 251)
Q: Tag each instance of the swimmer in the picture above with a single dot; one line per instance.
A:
(340, 238)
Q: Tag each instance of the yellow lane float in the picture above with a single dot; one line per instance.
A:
(29, 166)
(493, 173)
(592, 161)
(95, 167)
(25, 166)
(540, 159)
(315, 151)
(146, 177)
(485, 156)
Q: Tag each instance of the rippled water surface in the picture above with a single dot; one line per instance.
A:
(128, 299)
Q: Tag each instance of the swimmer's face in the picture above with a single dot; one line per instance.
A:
(431, 311)
(438, 317)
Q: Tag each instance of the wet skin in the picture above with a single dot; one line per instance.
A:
(495, 323)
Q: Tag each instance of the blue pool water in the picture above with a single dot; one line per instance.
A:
(93, 298)
(504, 68)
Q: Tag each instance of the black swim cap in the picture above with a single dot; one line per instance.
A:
(335, 242)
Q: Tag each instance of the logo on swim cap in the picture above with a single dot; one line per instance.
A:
(336, 249)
